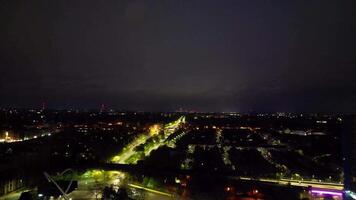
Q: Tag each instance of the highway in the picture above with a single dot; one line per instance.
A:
(297, 183)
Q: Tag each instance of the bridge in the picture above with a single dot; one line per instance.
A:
(138, 169)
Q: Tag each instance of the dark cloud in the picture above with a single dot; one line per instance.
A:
(162, 55)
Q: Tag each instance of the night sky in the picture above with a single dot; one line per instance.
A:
(160, 55)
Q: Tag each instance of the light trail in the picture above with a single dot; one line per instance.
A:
(321, 192)
(150, 190)
(298, 183)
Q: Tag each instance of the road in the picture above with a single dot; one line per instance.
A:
(154, 196)
(91, 189)
(297, 183)
(12, 195)
(129, 150)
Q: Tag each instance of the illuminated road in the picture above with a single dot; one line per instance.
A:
(128, 151)
(154, 196)
(128, 155)
(12, 195)
(91, 185)
(148, 195)
(9, 139)
(150, 190)
(297, 183)
(151, 194)
(83, 194)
